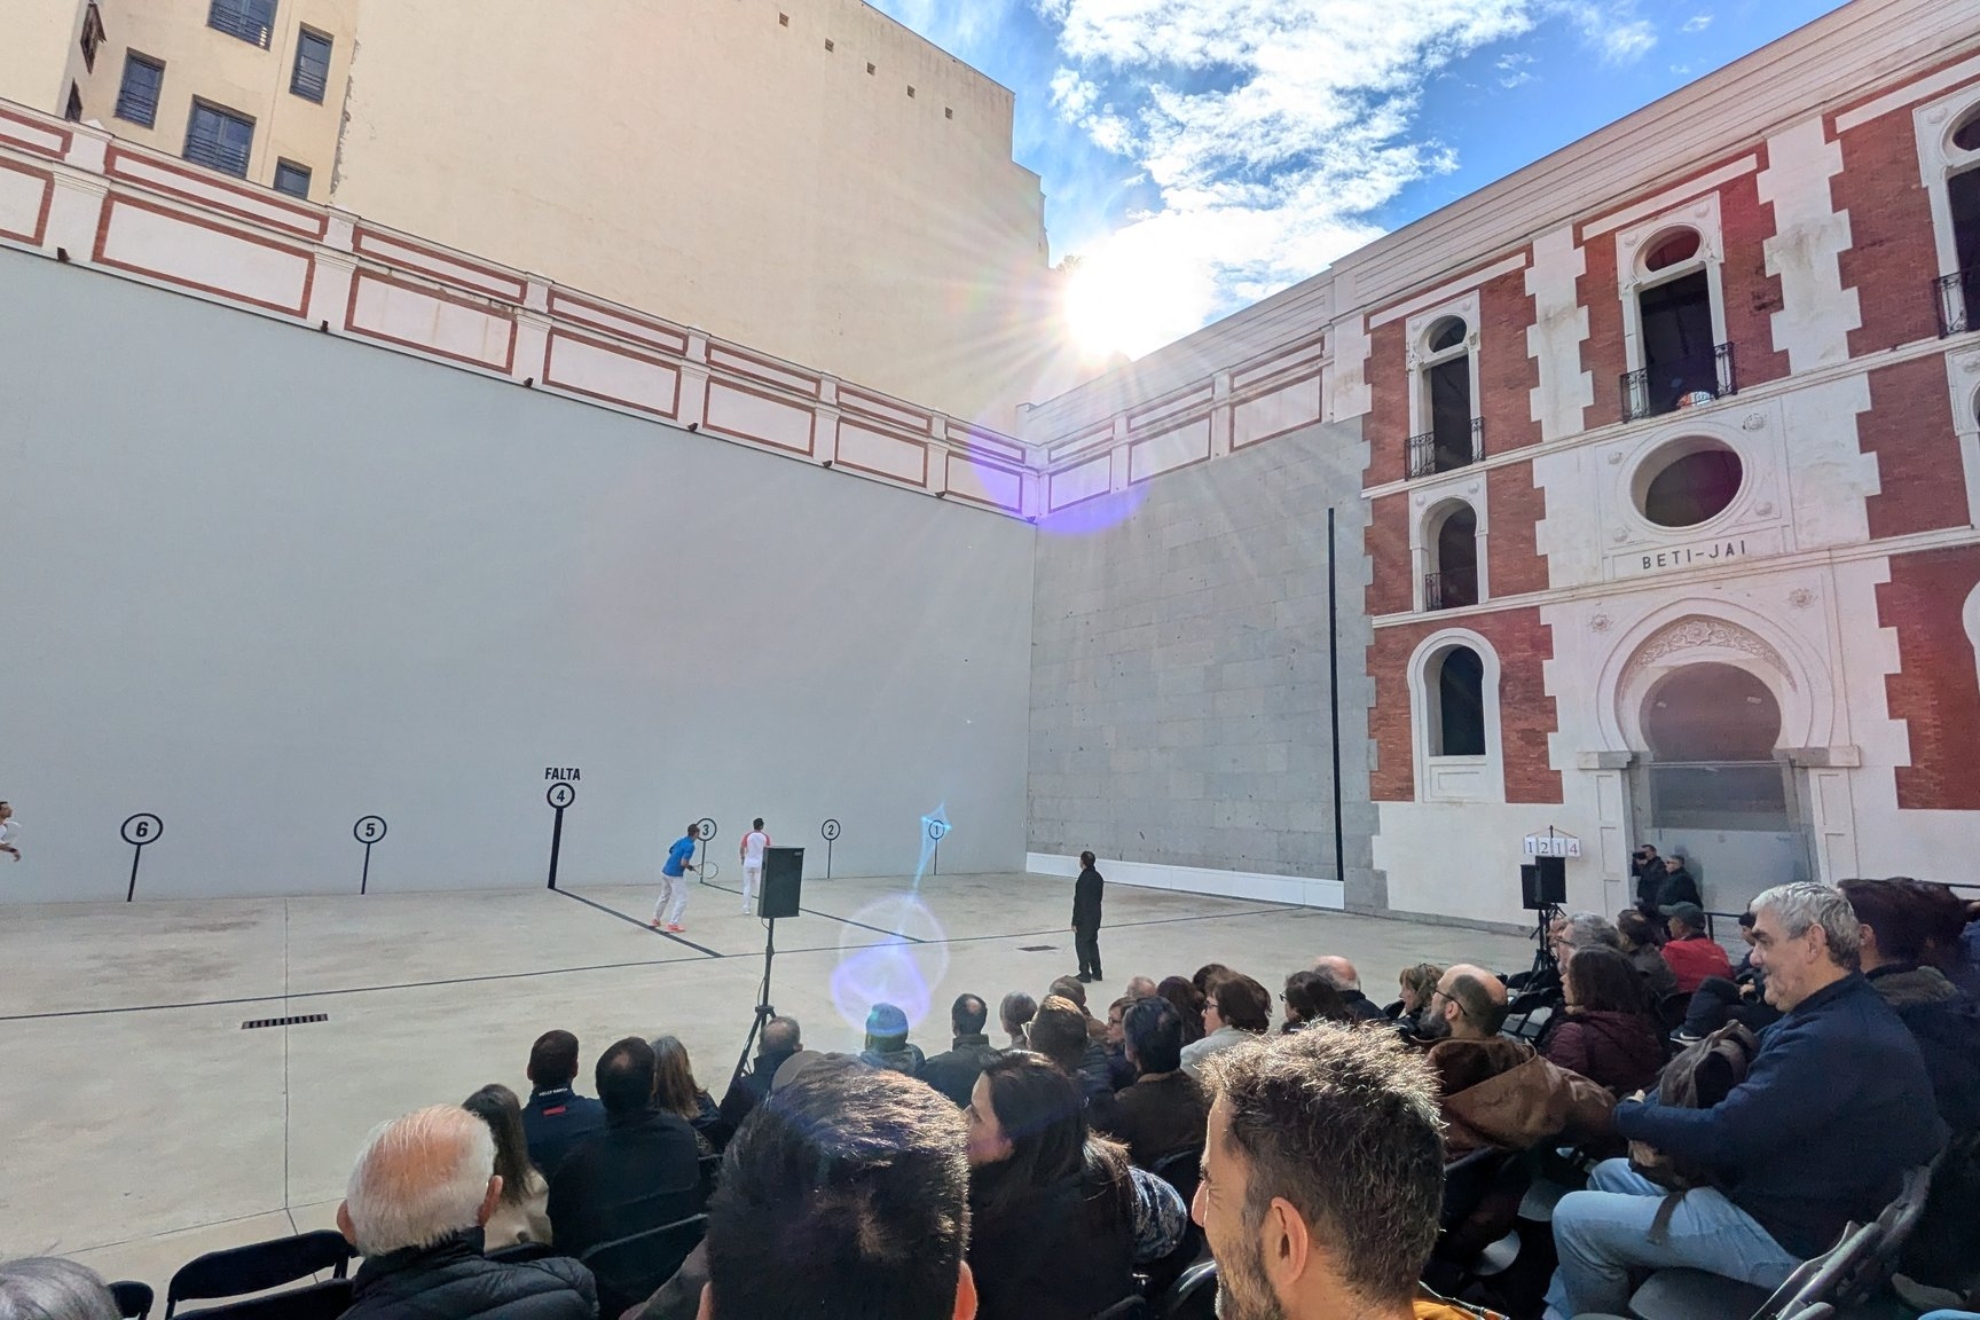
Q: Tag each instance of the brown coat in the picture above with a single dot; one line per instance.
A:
(1501, 1093)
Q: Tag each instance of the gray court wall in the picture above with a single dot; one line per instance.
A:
(262, 582)
(1179, 703)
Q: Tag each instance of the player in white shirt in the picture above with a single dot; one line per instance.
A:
(10, 833)
(754, 845)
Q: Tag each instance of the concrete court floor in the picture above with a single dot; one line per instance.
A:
(143, 1125)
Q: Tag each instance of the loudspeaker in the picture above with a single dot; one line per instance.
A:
(783, 881)
(1543, 883)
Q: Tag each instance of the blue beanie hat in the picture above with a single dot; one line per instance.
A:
(886, 1020)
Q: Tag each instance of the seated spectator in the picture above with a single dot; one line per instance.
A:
(1416, 985)
(421, 1189)
(1205, 974)
(1142, 987)
(953, 1072)
(638, 1172)
(887, 1042)
(1073, 989)
(778, 1041)
(523, 1213)
(1692, 954)
(844, 1197)
(1835, 1107)
(1014, 1016)
(556, 1115)
(51, 1288)
(675, 1090)
(1340, 974)
(1645, 952)
(1897, 918)
(1498, 1092)
(1119, 1071)
(1718, 1001)
(1058, 1218)
(1606, 1034)
(1059, 1033)
(1311, 997)
(1188, 1003)
(1323, 1180)
(1238, 1009)
(1163, 1113)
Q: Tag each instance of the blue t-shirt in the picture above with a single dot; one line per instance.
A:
(678, 856)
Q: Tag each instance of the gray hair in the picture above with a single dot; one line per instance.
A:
(1591, 930)
(1804, 904)
(50, 1288)
(420, 1179)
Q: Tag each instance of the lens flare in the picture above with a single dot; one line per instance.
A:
(896, 969)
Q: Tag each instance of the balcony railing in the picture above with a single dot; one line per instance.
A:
(138, 106)
(310, 84)
(1684, 383)
(1957, 296)
(1447, 450)
(217, 155)
(1451, 589)
(249, 22)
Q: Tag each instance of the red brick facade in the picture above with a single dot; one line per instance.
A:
(1388, 417)
(1602, 352)
(1752, 296)
(1392, 588)
(1892, 258)
(1937, 692)
(1507, 376)
(1910, 429)
(1517, 507)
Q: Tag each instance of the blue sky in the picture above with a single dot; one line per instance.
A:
(1198, 155)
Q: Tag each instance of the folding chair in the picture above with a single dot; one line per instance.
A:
(631, 1269)
(258, 1267)
(1195, 1295)
(318, 1301)
(1133, 1307)
(133, 1298)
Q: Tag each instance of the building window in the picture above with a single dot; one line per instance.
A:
(219, 139)
(1460, 726)
(92, 36)
(1452, 581)
(73, 111)
(1445, 400)
(312, 72)
(1958, 213)
(250, 20)
(1712, 729)
(292, 179)
(1454, 718)
(137, 98)
(1688, 483)
(1681, 359)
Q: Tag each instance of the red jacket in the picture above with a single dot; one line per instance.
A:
(1693, 959)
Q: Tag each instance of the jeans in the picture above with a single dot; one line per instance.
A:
(1603, 1233)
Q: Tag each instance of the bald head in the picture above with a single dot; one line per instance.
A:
(1337, 971)
(1474, 1002)
(1141, 987)
(419, 1180)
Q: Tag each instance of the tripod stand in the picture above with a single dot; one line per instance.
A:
(764, 1010)
(1544, 963)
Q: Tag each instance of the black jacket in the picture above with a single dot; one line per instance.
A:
(749, 1090)
(1086, 899)
(452, 1280)
(954, 1072)
(1053, 1253)
(1676, 887)
(1363, 1008)
(640, 1172)
(554, 1121)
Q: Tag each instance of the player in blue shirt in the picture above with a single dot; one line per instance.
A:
(673, 883)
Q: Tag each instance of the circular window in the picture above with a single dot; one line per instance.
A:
(1689, 483)
(1671, 248)
(1967, 136)
(1447, 333)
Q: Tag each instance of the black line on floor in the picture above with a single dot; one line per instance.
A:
(848, 921)
(646, 926)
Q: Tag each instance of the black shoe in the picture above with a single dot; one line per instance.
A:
(1084, 979)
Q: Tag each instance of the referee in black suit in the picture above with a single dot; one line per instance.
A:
(1086, 918)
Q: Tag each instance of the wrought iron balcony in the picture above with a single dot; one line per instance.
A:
(1683, 383)
(1451, 589)
(1957, 297)
(1447, 450)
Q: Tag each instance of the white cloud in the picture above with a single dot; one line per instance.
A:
(1697, 23)
(1514, 70)
(1612, 27)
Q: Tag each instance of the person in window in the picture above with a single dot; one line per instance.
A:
(1058, 1218)
(523, 1212)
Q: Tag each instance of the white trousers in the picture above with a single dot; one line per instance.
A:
(752, 882)
(673, 900)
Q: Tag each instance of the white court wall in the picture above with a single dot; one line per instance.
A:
(262, 581)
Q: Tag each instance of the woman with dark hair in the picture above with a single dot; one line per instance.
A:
(1606, 1035)
(1238, 1009)
(675, 1091)
(1643, 943)
(1016, 1013)
(1309, 997)
(522, 1215)
(1058, 1219)
(1207, 973)
(1188, 1004)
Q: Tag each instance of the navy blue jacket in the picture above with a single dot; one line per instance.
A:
(556, 1119)
(1836, 1106)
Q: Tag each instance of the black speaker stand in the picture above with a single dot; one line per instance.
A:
(764, 1010)
(1543, 957)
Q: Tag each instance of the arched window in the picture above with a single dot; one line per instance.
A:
(1951, 159)
(1453, 578)
(1963, 200)
(1712, 730)
(1460, 727)
(1453, 439)
(1681, 363)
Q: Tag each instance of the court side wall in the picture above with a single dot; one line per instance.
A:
(262, 582)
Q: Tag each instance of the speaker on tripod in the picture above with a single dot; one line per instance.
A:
(1543, 883)
(783, 882)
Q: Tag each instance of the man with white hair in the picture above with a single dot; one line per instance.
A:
(1836, 1106)
(1340, 973)
(421, 1190)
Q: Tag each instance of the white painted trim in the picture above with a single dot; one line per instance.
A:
(1951, 76)
(1632, 244)
(1465, 307)
(1435, 494)
(1672, 198)
(1445, 293)
(1939, 159)
(1305, 891)
(1423, 710)
(1963, 381)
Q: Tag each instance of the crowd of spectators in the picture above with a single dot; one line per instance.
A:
(1052, 1173)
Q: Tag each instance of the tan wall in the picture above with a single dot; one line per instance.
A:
(706, 161)
(233, 74)
(36, 37)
